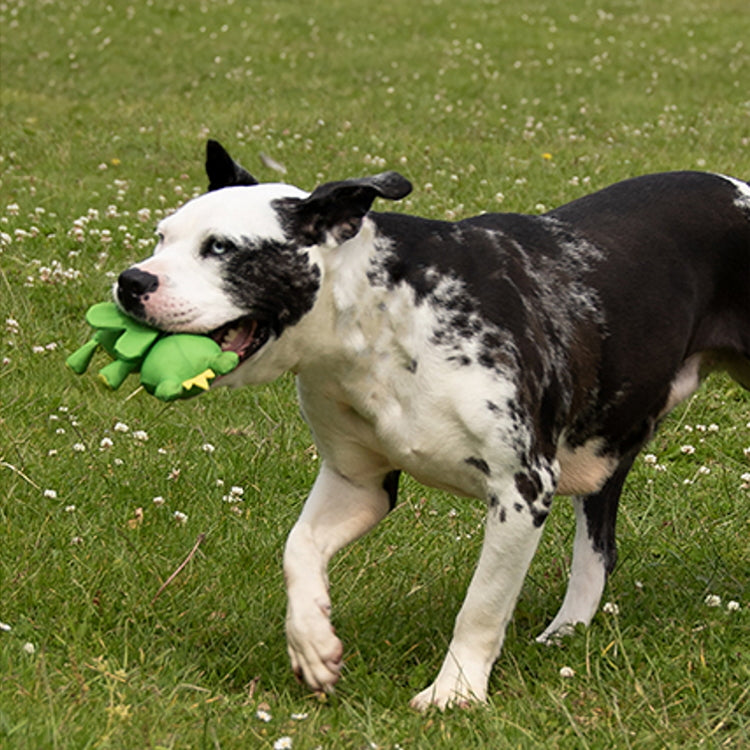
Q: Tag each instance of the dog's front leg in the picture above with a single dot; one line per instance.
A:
(337, 512)
(511, 538)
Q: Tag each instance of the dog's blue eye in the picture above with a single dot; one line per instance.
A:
(218, 247)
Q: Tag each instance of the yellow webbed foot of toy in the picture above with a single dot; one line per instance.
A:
(199, 381)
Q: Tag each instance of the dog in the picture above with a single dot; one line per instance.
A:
(505, 357)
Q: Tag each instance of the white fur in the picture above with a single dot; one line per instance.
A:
(587, 578)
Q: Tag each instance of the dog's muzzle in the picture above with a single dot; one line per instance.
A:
(133, 288)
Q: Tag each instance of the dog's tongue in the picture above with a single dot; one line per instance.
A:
(238, 338)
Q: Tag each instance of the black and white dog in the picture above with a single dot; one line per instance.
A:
(504, 357)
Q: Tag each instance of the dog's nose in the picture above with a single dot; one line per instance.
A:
(132, 287)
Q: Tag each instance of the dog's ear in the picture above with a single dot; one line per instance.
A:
(339, 207)
(222, 170)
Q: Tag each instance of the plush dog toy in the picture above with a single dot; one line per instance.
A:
(171, 365)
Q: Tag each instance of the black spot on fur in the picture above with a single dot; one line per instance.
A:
(273, 282)
(528, 485)
(478, 463)
(390, 485)
(412, 366)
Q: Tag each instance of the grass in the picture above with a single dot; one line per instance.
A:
(105, 111)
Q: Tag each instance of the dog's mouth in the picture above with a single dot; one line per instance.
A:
(245, 336)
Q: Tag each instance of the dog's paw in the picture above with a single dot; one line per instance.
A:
(444, 696)
(556, 633)
(314, 649)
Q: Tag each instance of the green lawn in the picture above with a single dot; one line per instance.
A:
(484, 106)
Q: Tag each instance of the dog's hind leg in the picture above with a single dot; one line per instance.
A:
(337, 512)
(512, 532)
(594, 554)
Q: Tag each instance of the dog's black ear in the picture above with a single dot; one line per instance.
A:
(222, 170)
(339, 207)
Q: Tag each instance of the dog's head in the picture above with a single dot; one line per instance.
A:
(245, 261)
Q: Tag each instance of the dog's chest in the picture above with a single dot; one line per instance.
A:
(393, 398)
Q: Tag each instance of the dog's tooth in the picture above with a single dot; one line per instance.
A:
(230, 335)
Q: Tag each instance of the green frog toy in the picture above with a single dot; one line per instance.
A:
(171, 366)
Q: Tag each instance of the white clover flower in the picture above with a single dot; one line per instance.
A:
(121, 427)
(283, 743)
(712, 600)
(5, 627)
(50, 494)
(29, 648)
(105, 443)
(208, 448)
(733, 606)
(141, 435)
(567, 672)
(158, 501)
(688, 450)
(299, 717)
(180, 517)
(76, 540)
(611, 608)
(70, 508)
(237, 491)
(263, 715)
(79, 447)
(649, 459)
